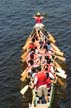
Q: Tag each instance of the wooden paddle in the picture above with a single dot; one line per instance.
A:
(23, 91)
(59, 53)
(60, 70)
(26, 44)
(61, 58)
(52, 40)
(28, 39)
(61, 82)
(58, 67)
(55, 47)
(24, 72)
(52, 37)
(64, 76)
(24, 76)
(23, 57)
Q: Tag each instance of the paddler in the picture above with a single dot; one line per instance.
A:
(41, 81)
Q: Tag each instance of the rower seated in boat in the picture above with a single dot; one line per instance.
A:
(38, 18)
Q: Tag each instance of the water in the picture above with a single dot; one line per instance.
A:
(16, 23)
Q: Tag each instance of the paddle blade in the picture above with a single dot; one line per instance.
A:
(23, 78)
(59, 53)
(61, 58)
(64, 76)
(24, 90)
(63, 84)
(60, 70)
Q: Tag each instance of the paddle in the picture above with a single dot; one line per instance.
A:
(60, 58)
(61, 82)
(60, 70)
(55, 47)
(58, 67)
(26, 44)
(23, 57)
(52, 40)
(52, 37)
(24, 76)
(23, 91)
(58, 79)
(59, 53)
(64, 76)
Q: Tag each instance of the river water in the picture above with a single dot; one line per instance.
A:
(16, 24)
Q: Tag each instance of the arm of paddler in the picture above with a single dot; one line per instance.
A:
(54, 80)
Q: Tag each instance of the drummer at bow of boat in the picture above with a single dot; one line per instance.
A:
(38, 18)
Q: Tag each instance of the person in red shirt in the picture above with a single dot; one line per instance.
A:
(40, 81)
(38, 19)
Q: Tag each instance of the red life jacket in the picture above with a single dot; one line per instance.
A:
(42, 79)
(38, 20)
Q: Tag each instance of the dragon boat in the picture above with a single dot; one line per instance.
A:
(60, 73)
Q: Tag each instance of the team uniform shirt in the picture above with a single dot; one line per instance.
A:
(38, 19)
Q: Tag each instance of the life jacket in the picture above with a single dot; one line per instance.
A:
(42, 79)
(38, 19)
